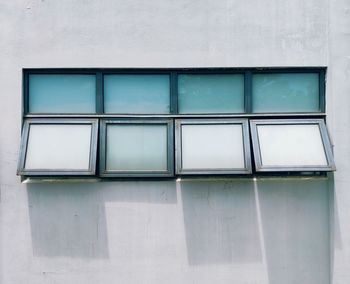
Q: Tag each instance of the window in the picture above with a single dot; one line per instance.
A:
(213, 146)
(211, 93)
(58, 147)
(137, 94)
(120, 123)
(136, 148)
(286, 92)
(291, 145)
(61, 93)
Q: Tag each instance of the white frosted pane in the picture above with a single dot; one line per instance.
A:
(58, 147)
(136, 147)
(212, 147)
(291, 145)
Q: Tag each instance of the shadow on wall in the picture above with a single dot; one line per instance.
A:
(295, 227)
(283, 224)
(69, 219)
(220, 222)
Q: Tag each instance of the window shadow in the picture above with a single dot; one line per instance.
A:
(295, 228)
(69, 219)
(162, 192)
(336, 233)
(220, 222)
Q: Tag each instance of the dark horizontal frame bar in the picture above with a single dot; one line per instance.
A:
(137, 173)
(259, 166)
(180, 69)
(240, 115)
(234, 171)
(173, 73)
(176, 178)
(21, 170)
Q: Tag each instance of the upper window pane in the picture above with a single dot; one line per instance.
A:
(141, 94)
(286, 92)
(211, 93)
(69, 93)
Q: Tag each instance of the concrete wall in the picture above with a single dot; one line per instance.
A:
(265, 231)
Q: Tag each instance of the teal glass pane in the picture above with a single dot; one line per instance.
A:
(136, 147)
(62, 93)
(137, 94)
(212, 93)
(293, 92)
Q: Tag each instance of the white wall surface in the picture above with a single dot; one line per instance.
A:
(268, 231)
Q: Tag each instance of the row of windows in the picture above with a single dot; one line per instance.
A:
(168, 122)
(214, 91)
(152, 147)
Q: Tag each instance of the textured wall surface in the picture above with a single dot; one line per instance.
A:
(265, 231)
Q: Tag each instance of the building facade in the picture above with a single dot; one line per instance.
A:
(255, 230)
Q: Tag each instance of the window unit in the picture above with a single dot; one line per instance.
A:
(212, 146)
(136, 93)
(136, 147)
(287, 92)
(135, 110)
(58, 147)
(291, 145)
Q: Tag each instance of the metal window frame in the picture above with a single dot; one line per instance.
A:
(259, 167)
(21, 170)
(137, 173)
(246, 147)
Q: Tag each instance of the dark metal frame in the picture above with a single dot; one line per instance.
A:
(259, 167)
(54, 172)
(125, 174)
(246, 147)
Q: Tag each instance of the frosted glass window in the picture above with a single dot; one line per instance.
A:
(58, 147)
(222, 93)
(69, 93)
(291, 145)
(213, 146)
(136, 147)
(286, 92)
(137, 94)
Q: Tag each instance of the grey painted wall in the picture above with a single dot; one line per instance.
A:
(266, 231)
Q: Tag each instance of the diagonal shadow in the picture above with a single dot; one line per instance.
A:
(69, 219)
(220, 222)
